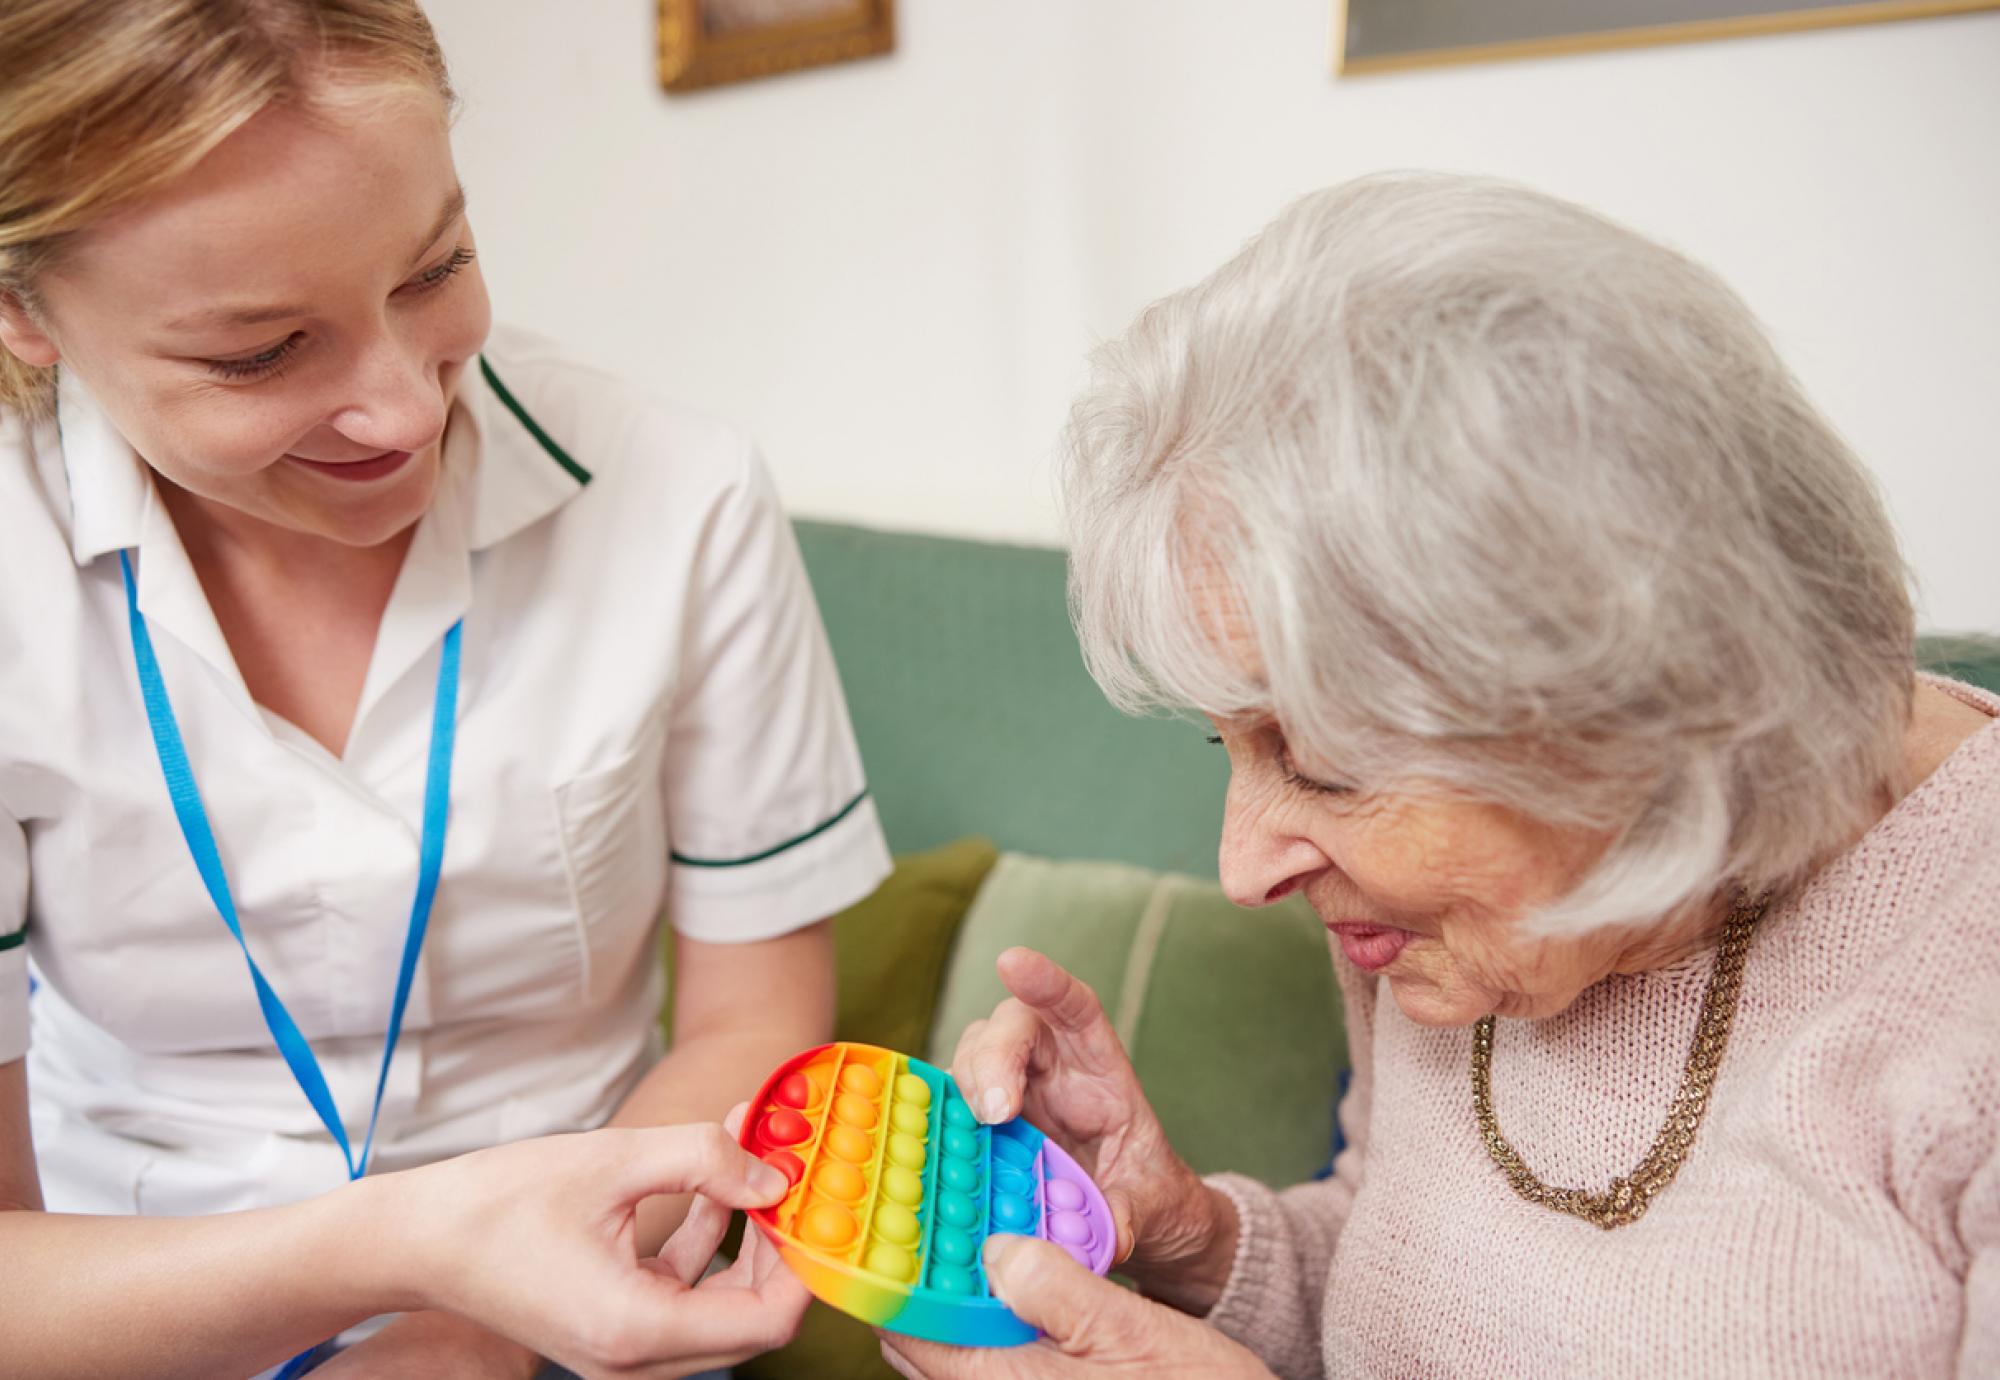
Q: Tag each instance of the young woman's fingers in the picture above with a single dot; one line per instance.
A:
(694, 1242)
(700, 1158)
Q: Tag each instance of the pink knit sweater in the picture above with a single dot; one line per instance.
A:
(1839, 1214)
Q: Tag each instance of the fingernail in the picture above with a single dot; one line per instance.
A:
(993, 1255)
(768, 1181)
(993, 1107)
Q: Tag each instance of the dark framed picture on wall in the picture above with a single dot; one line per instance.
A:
(1393, 35)
(711, 42)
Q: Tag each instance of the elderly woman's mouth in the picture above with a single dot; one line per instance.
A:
(1369, 946)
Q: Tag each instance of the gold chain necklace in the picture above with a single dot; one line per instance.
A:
(1627, 1198)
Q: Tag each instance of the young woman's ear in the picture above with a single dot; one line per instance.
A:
(23, 335)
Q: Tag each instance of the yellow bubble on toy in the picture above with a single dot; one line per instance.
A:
(912, 1089)
(899, 1185)
(894, 1222)
(892, 1261)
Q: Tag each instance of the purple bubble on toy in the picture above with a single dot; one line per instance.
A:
(1065, 1196)
(1069, 1229)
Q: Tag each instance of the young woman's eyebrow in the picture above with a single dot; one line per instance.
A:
(454, 207)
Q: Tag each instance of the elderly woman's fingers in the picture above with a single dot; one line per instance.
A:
(1081, 1312)
(1044, 985)
(991, 1065)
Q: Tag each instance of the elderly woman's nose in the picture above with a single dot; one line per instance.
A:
(1260, 859)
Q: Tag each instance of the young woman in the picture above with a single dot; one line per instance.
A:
(372, 685)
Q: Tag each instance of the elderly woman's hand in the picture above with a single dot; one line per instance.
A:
(1092, 1328)
(1050, 1054)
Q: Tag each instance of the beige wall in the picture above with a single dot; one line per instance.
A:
(888, 271)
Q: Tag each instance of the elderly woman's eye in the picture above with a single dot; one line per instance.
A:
(1309, 783)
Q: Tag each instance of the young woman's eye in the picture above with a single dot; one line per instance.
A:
(439, 274)
(260, 365)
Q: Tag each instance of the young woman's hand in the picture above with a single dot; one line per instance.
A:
(536, 1241)
(1093, 1330)
(1049, 1053)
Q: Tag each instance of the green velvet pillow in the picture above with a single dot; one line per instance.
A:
(891, 949)
(891, 952)
(1231, 1016)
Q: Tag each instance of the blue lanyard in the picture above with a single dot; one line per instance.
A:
(201, 843)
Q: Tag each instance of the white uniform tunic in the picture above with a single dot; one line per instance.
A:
(649, 722)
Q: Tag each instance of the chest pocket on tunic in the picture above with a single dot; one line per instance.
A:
(614, 842)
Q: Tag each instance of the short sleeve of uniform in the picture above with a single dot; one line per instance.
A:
(13, 930)
(768, 814)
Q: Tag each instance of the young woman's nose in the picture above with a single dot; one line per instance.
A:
(395, 399)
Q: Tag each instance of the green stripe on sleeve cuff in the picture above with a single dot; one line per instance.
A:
(849, 808)
(14, 940)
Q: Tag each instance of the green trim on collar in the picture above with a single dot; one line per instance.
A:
(556, 452)
(14, 940)
(811, 833)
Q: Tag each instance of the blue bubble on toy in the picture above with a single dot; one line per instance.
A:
(961, 1145)
(958, 1116)
(1013, 1151)
(1012, 1213)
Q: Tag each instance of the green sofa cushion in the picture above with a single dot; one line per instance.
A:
(1231, 1016)
(975, 714)
(891, 949)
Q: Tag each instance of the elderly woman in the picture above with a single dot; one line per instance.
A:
(1562, 655)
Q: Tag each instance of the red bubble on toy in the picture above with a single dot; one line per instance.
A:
(794, 1091)
(786, 1127)
(788, 1164)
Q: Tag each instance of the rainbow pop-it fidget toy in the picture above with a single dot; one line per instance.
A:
(895, 1187)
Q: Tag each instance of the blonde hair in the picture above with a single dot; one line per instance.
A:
(103, 101)
(1514, 501)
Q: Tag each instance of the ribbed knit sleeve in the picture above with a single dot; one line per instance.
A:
(1285, 1240)
(1979, 1228)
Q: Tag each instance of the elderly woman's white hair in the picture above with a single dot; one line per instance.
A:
(1514, 502)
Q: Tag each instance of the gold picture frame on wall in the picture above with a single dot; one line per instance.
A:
(1397, 35)
(709, 42)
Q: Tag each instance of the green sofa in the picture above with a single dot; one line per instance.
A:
(1023, 809)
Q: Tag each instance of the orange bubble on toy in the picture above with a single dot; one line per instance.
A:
(852, 1109)
(828, 1224)
(839, 1180)
(849, 1144)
